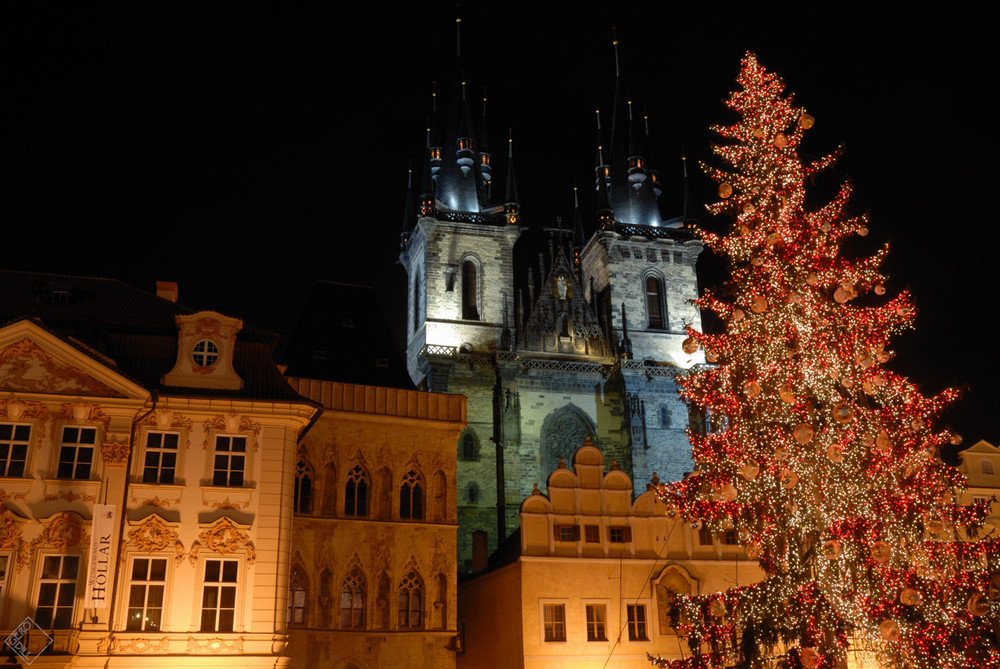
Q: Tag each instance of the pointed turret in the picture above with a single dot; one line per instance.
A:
(427, 180)
(409, 216)
(485, 159)
(510, 205)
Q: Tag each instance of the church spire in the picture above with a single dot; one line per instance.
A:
(409, 217)
(510, 205)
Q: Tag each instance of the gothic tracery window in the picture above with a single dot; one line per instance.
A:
(302, 494)
(352, 600)
(356, 493)
(655, 308)
(411, 497)
(298, 591)
(411, 591)
(562, 434)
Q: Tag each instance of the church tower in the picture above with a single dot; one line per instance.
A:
(588, 344)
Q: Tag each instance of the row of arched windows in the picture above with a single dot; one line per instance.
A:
(405, 499)
(352, 607)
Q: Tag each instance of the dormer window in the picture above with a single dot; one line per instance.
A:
(206, 353)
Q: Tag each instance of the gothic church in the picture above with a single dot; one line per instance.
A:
(586, 343)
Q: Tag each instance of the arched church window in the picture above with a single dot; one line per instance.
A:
(411, 596)
(298, 591)
(470, 291)
(411, 496)
(302, 494)
(356, 493)
(416, 301)
(563, 432)
(468, 446)
(655, 307)
(352, 600)
(472, 493)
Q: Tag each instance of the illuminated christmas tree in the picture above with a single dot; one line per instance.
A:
(824, 461)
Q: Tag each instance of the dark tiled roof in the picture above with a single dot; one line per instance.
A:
(343, 336)
(133, 328)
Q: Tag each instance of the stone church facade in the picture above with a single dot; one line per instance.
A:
(585, 343)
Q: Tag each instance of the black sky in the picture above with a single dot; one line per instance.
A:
(247, 150)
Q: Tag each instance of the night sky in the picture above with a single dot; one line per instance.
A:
(246, 151)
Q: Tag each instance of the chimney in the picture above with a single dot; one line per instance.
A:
(480, 550)
(167, 290)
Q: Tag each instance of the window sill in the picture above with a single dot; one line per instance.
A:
(16, 486)
(156, 494)
(70, 490)
(225, 497)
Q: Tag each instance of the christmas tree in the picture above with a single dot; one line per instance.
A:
(824, 461)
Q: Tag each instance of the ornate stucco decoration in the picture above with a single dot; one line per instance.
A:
(151, 535)
(63, 532)
(26, 367)
(206, 342)
(156, 501)
(165, 419)
(70, 496)
(82, 413)
(232, 422)
(115, 453)
(215, 645)
(225, 537)
(140, 646)
(16, 409)
(11, 529)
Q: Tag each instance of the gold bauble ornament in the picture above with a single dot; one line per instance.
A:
(728, 492)
(751, 388)
(725, 190)
(788, 479)
(749, 470)
(780, 454)
(757, 261)
(917, 423)
(795, 298)
(843, 413)
(748, 208)
(978, 604)
(881, 552)
(717, 608)
(806, 121)
(737, 315)
(711, 355)
(825, 226)
(882, 357)
(956, 439)
(803, 433)
(812, 278)
(889, 629)
(883, 442)
(780, 140)
(835, 453)
(832, 549)
(690, 345)
(772, 237)
(758, 304)
(863, 231)
(840, 296)
(758, 133)
(910, 597)
(867, 440)
(809, 657)
(880, 289)
(786, 394)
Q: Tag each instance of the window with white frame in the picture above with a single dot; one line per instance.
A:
(597, 617)
(57, 591)
(554, 622)
(230, 460)
(205, 353)
(145, 596)
(636, 616)
(14, 440)
(160, 459)
(218, 598)
(76, 452)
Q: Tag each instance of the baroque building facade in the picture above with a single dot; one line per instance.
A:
(586, 343)
(169, 499)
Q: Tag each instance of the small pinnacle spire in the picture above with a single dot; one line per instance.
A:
(614, 43)
(458, 36)
(511, 194)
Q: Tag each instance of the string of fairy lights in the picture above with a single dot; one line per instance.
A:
(824, 460)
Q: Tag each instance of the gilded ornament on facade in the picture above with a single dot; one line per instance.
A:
(215, 645)
(226, 537)
(24, 366)
(152, 535)
(115, 453)
(62, 532)
(81, 412)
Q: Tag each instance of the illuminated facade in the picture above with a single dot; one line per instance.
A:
(147, 484)
(591, 578)
(585, 343)
(373, 574)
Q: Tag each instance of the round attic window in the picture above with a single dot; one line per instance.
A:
(205, 353)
